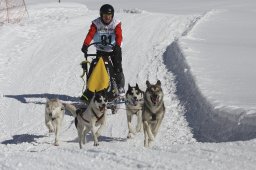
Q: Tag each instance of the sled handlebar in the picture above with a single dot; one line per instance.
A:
(104, 44)
(90, 55)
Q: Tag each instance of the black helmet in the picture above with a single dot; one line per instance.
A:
(106, 9)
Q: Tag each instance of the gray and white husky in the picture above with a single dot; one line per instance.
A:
(87, 120)
(134, 103)
(153, 112)
(54, 113)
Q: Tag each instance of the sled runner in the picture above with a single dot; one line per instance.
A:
(101, 77)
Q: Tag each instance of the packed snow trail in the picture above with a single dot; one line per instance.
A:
(41, 60)
(46, 63)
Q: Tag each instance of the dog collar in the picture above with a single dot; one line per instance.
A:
(137, 110)
(132, 103)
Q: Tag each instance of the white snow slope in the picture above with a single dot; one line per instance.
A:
(40, 59)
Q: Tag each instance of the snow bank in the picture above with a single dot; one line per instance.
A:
(209, 123)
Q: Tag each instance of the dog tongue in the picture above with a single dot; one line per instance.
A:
(135, 102)
(154, 100)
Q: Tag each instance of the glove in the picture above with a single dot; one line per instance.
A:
(84, 65)
(116, 49)
(84, 49)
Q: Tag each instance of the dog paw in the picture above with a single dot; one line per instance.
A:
(146, 143)
(51, 130)
(96, 144)
(56, 144)
(154, 133)
(150, 143)
(151, 137)
(130, 135)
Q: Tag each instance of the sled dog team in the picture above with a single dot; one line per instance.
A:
(148, 106)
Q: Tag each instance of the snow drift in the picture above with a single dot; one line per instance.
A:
(209, 124)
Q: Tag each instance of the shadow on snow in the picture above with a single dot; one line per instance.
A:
(32, 98)
(100, 138)
(17, 139)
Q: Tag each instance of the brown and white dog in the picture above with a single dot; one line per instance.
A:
(153, 111)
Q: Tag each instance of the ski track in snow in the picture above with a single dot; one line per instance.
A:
(41, 59)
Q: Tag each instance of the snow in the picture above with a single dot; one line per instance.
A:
(202, 51)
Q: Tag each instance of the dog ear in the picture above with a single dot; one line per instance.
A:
(129, 87)
(137, 86)
(148, 83)
(158, 83)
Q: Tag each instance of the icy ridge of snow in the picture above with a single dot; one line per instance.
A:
(198, 20)
(209, 123)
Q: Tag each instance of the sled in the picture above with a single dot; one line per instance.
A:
(100, 77)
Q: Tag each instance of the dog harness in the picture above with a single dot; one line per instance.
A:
(98, 118)
(135, 111)
(152, 115)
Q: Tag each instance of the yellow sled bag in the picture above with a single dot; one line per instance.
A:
(99, 78)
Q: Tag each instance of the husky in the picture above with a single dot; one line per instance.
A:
(54, 113)
(86, 120)
(153, 112)
(134, 103)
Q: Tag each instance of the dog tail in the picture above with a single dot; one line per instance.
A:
(71, 108)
